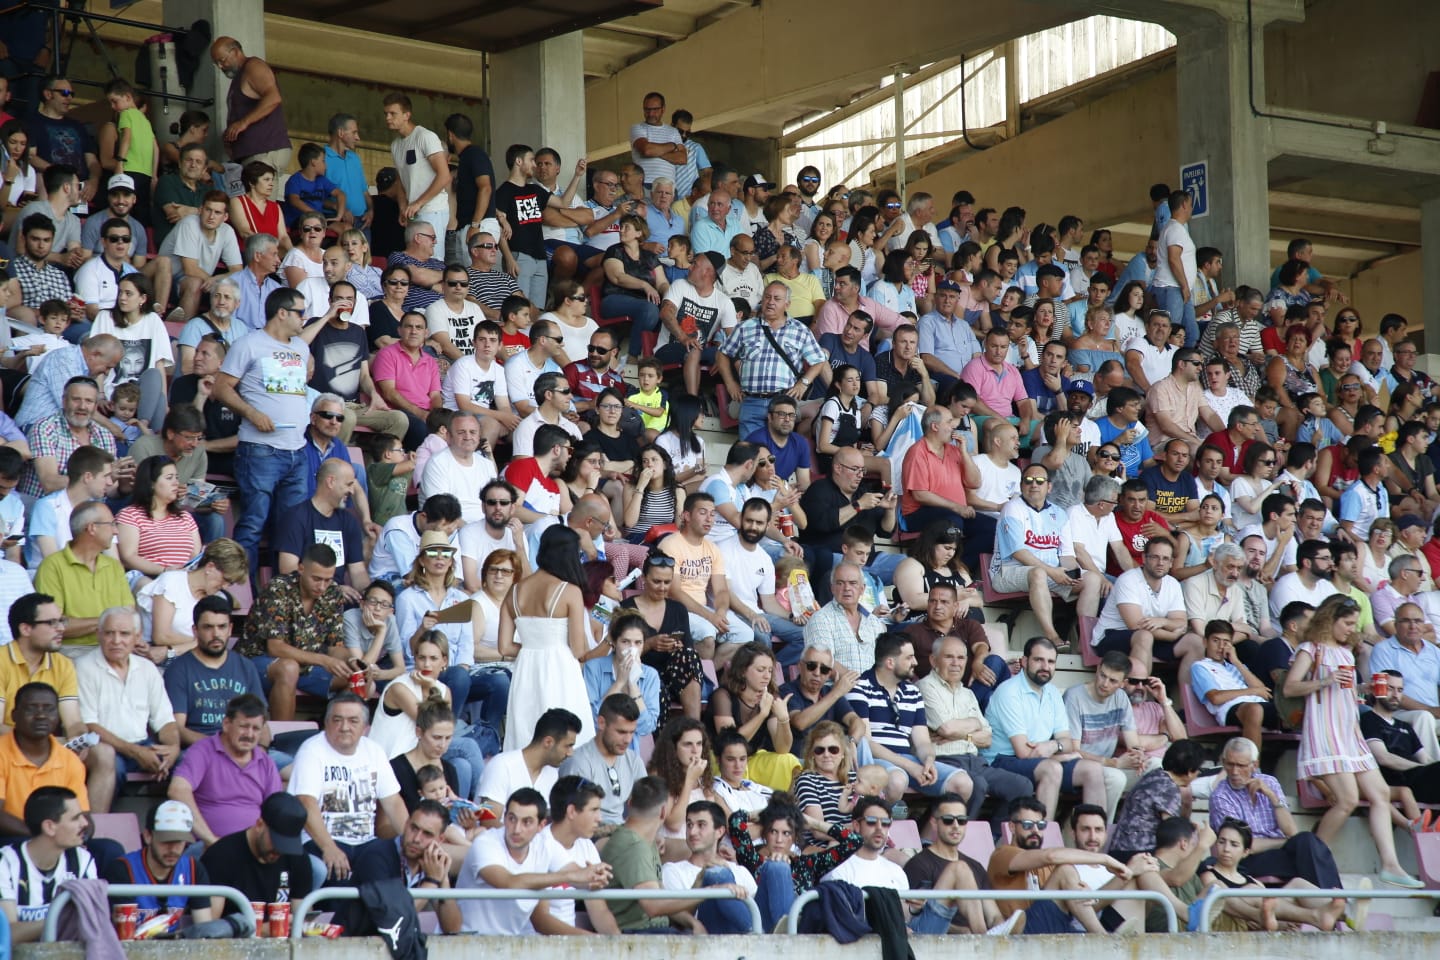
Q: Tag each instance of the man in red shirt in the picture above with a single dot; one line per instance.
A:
(1137, 525)
(934, 474)
(1242, 429)
(543, 498)
(589, 377)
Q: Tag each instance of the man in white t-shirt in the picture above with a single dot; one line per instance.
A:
(1092, 525)
(655, 146)
(545, 355)
(458, 470)
(741, 278)
(423, 164)
(729, 486)
(536, 765)
(513, 857)
(193, 250)
(695, 316)
(552, 405)
(1144, 616)
(750, 573)
(499, 530)
(451, 320)
(704, 829)
(477, 384)
(1175, 266)
(569, 844)
(345, 782)
(1309, 582)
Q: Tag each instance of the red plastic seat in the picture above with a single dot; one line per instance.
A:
(990, 594)
(603, 321)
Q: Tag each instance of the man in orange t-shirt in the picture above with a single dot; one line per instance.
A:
(31, 757)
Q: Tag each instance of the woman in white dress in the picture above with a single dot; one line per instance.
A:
(544, 627)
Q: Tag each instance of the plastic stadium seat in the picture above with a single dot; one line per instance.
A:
(123, 828)
(990, 594)
(290, 726)
(1086, 631)
(905, 835)
(978, 844)
(594, 293)
(1199, 721)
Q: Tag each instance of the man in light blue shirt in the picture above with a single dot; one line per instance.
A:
(96, 357)
(342, 166)
(717, 228)
(256, 278)
(1031, 735)
(947, 342)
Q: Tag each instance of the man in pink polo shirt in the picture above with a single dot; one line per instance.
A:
(999, 389)
(833, 313)
(933, 475)
(407, 377)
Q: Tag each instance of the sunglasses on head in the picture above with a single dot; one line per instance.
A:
(660, 560)
(815, 666)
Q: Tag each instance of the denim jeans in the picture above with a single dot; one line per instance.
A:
(792, 637)
(490, 687)
(270, 481)
(722, 916)
(212, 525)
(775, 892)
(644, 316)
(466, 757)
(753, 413)
(1001, 669)
(1181, 311)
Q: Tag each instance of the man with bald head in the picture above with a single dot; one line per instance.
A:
(254, 115)
(324, 519)
(83, 576)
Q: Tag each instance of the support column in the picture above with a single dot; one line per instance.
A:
(1216, 126)
(1430, 270)
(242, 19)
(537, 97)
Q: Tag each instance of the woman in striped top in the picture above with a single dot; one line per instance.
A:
(155, 535)
(655, 497)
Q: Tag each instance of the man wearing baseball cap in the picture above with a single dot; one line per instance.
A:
(162, 858)
(265, 856)
(757, 191)
(120, 201)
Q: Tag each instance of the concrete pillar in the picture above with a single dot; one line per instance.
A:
(242, 19)
(1430, 270)
(537, 97)
(1216, 126)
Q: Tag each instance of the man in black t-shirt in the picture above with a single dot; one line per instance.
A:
(261, 859)
(1404, 761)
(474, 182)
(525, 205)
(324, 519)
(901, 362)
(941, 866)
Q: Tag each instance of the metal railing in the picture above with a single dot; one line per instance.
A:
(488, 893)
(792, 925)
(1217, 894)
(119, 891)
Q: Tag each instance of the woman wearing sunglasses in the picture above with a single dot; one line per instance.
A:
(303, 262)
(1332, 748)
(569, 306)
(826, 788)
(386, 313)
(1262, 466)
(1107, 462)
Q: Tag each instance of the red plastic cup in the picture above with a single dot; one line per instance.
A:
(1380, 685)
(1347, 677)
(262, 929)
(125, 916)
(357, 683)
(279, 917)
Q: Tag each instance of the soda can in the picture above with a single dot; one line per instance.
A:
(262, 929)
(279, 917)
(125, 916)
(787, 523)
(1380, 685)
(357, 683)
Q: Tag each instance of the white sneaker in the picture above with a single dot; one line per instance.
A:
(1007, 927)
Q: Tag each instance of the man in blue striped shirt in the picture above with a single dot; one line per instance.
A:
(887, 696)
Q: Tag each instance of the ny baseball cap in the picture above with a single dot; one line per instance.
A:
(1081, 386)
(285, 816)
(758, 180)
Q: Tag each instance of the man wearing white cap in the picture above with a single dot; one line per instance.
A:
(169, 829)
(120, 201)
(757, 191)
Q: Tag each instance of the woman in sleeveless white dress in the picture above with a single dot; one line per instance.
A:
(547, 649)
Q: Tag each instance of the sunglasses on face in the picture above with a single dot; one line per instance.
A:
(600, 350)
(482, 246)
(118, 238)
(433, 552)
(1104, 455)
(951, 819)
(873, 821)
(578, 297)
(809, 179)
(397, 283)
(333, 417)
(1030, 824)
(498, 503)
(457, 283)
(815, 666)
(1034, 481)
(832, 750)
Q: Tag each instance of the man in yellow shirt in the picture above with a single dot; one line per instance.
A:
(34, 658)
(82, 577)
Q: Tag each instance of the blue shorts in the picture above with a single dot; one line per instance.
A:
(943, 772)
(1026, 768)
(583, 251)
(673, 352)
(313, 680)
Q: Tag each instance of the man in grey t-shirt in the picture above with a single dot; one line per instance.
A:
(263, 380)
(609, 760)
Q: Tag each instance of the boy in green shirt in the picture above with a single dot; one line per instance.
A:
(135, 149)
(635, 862)
(649, 399)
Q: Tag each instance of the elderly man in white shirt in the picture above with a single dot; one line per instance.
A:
(123, 699)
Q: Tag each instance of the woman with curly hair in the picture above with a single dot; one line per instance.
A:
(682, 759)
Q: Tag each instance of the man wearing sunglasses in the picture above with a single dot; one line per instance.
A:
(942, 866)
(489, 285)
(552, 406)
(97, 280)
(56, 139)
(544, 355)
